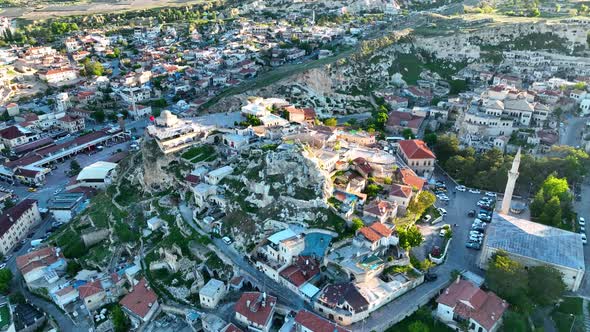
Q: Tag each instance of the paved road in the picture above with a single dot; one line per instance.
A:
(284, 295)
(583, 210)
(459, 258)
(63, 321)
(571, 133)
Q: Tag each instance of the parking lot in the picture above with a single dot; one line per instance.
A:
(458, 207)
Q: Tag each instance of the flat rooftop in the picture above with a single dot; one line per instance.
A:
(541, 242)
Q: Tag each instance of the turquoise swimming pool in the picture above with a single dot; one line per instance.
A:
(316, 244)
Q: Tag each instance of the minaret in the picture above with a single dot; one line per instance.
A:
(512, 176)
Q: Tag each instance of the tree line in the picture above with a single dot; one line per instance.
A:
(489, 170)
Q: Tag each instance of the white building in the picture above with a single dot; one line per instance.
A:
(16, 222)
(98, 175)
(173, 134)
(533, 244)
(217, 175)
(212, 293)
(464, 301)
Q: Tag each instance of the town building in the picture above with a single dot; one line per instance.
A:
(255, 311)
(93, 295)
(463, 301)
(141, 304)
(64, 206)
(98, 175)
(41, 265)
(417, 156)
(306, 321)
(173, 134)
(16, 222)
(212, 293)
(533, 244)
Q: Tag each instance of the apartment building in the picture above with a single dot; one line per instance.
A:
(16, 222)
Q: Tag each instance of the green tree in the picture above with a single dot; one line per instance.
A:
(331, 122)
(418, 326)
(430, 139)
(514, 322)
(410, 238)
(408, 134)
(5, 278)
(509, 280)
(121, 322)
(98, 116)
(357, 224)
(73, 268)
(75, 167)
(545, 285)
(446, 147)
(421, 203)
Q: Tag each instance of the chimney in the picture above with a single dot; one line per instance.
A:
(307, 262)
(149, 305)
(248, 303)
(447, 291)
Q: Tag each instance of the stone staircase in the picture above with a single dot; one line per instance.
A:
(586, 315)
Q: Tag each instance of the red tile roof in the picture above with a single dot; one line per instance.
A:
(408, 177)
(250, 306)
(231, 328)
(416, 149)
(363, 165)
(375, 231)
(404, 119)
(302, 270)
(11, 132)
(469, 301)
(11, 215)
(399, 190)
(38, 258)
(90, 289)
(64, 291)
(315, 323)
(140, 300)
(380, 207)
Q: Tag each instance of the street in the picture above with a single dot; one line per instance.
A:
(570, 133)
(459, 258)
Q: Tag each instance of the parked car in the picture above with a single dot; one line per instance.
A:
(32, 189)
(226, 240)
(427, 218)
(582, 221)
(473, 245)
(442, 211)
(471, 213)
(474, 191)
(443, 198)
(582, 229)
(442, 232)
(430, 276)
(460, 188)
(491, 194)
(584, 240)
(2, 265)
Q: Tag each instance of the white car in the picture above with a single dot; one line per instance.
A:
(442, 232)
(491, 194)
(460, 188)
(3, 265)
(226, 240)
(443, 198)
(474, 191)
(427, 218)
(582, 221)
(442, 211)
(584, 240)
(582, 229)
